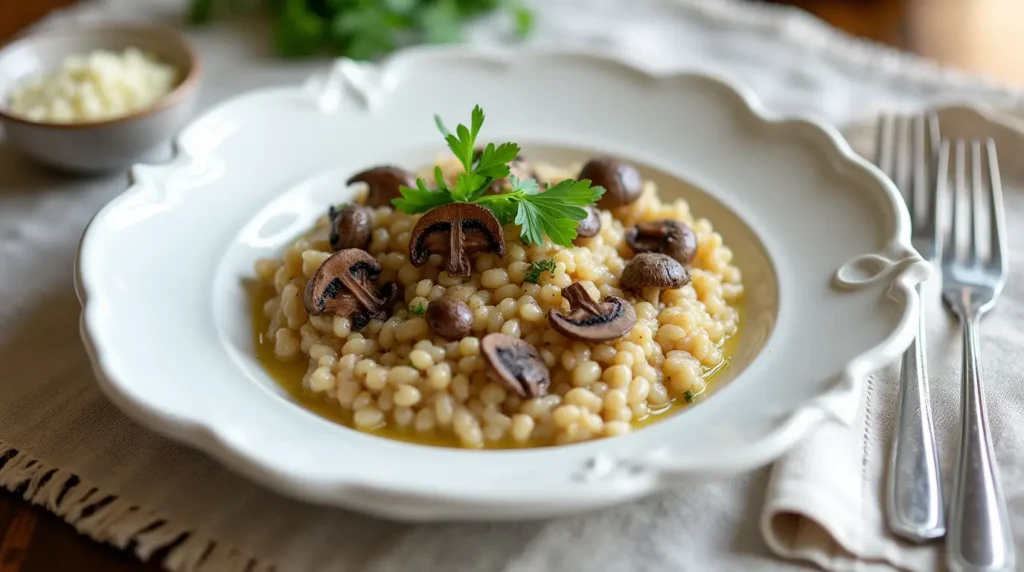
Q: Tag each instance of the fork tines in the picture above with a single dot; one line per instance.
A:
(974, 233)
(906, 149)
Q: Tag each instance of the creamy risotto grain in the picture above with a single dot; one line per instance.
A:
(398, 373)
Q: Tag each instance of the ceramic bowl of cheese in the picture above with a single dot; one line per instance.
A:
(96, 99)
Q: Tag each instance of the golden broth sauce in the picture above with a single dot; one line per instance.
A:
(289, 375)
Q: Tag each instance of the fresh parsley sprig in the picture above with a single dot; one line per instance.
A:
(554, 212)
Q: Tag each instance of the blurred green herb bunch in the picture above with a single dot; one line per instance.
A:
(365, 29)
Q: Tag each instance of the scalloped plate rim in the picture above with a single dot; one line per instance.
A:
(207, 438)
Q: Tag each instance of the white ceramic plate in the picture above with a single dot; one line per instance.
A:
(821, 237)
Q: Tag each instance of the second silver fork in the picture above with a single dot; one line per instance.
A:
(974, 271)
(906, 150)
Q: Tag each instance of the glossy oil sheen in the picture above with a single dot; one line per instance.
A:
(289, 374)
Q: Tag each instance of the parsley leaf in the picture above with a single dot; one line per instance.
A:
(555, 212)
(494, 161)
(421, 199)
(463, 141)
(537, 268)
(504, 211)
(528, 186)
(418, 309)
(478, 120)
(468, 186)
(440, 126)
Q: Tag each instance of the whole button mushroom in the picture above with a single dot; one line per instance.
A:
(456, 231)
(350, 227)
(592, 321)
(653, 270)
(669, 237)
(515, 364)
(589, 226)
(621, 181)
(384, 184)
(450, 318)
(343, 286)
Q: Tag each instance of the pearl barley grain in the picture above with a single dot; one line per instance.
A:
(397, 373)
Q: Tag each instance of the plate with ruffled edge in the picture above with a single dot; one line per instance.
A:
(821, 237)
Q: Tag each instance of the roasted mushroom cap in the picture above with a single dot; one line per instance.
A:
(343, 287)
(589, 226)
(518, 167)
(653, 270)
(350, 227)
(450, 318)
(384, 182)
(669, 237)
(456, 231)
(621, 181)
(516, 364)
(592, 321)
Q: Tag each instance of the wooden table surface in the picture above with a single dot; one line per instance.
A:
(981, 36)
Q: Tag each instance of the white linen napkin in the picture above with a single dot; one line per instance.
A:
(825, 498)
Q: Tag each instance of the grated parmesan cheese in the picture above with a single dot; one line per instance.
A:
(95, 86)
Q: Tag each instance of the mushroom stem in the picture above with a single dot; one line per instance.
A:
(458, 262)
(592, 320)
(652, 295)
(360, 289)
(578, 297)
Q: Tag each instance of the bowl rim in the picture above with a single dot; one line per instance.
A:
(169, 36)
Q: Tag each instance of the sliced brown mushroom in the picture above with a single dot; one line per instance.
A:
(350, 227)
(384, 184)
(592, 321)
(450, 318)
(669, 237)
(519, 167)
(343, 286)
(621, 181)
(515, 364)
(456, 231)
(589, 226)
(653, 270)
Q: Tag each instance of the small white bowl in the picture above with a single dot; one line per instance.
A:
(104, 145)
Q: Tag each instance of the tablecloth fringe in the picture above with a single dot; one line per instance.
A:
(117, 521)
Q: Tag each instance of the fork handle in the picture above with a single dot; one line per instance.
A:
(979, 529)
(914, 485)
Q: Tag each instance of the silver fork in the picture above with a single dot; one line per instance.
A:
(974, 270)
(905, 150)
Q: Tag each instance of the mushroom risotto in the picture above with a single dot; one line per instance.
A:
(504, 304)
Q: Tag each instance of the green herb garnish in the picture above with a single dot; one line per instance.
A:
(537, 268)
(554, 212)
(418, 309)
(689, 396)
(364, 29)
